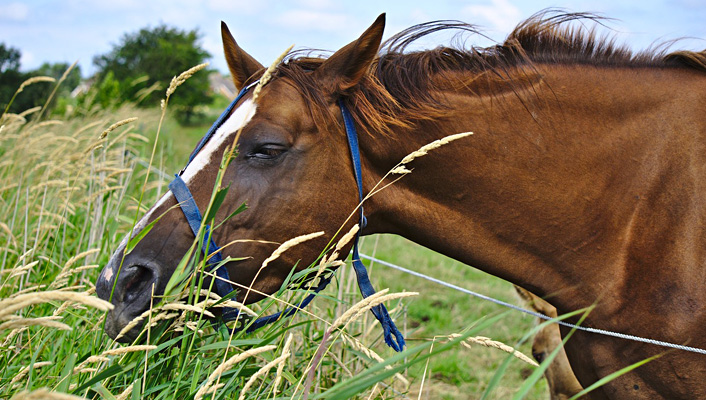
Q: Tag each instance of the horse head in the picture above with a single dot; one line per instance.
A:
(292, 170)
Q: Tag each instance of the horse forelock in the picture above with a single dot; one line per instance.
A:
(399, 88)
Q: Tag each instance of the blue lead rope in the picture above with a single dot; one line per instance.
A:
(392, 335)
(183, 195)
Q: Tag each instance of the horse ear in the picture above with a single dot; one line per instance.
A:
(241, 64)
(346, 67)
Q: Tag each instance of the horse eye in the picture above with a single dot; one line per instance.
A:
(268, 152)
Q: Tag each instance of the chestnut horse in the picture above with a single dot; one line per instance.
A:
(585, 179)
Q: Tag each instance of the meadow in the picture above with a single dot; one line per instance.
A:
(72, 186)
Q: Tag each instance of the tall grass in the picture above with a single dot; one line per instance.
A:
(70, 189)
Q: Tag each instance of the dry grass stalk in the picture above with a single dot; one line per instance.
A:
(29, 111)
(129, 349)
(331, 261)
(343, 319)
(214, 388)
(125, 393)
(9, 119)
(116, 126)
(33, 80)
(487, 342)
(103, 357)
(44, 394)
(21, 259)
(175, 306)
(29, 289)
(178, 80)
(193, 326)
(11, 336)
(366, 304)
(228, 303)
(49, 322)
(262, 371)
(216, 374)
(50, 122)
(288, 245)
(186, 307)
(433, 145)
(357, 345)
(135, 321)
(78, 256)
(11, 305)
(280, 367)
(401, 170)
(163, 316)
(62, 279)
(21, 269)
(267, 76)
(347, 237)
(85, 370)
(91, 359)
(25, 370)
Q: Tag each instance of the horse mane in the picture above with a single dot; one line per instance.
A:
(397, 91)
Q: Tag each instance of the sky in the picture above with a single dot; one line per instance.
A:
(70, 30)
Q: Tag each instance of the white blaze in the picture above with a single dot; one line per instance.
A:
(240, 117)
(237, 120)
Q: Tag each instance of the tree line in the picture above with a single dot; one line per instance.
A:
(137, 69)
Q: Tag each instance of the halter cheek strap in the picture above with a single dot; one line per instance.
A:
(181, 191)
(393, 337)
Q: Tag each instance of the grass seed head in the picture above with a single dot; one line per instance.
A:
(288, 245)
(227, 365)
(25, 370)
(178, 80)
(48, 322)
(33, 80)
(433, 145)
(267, 76)
(44, 394)
(262, 371)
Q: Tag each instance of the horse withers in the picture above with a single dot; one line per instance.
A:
(584, 179)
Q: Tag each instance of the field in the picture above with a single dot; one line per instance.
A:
(70, 189)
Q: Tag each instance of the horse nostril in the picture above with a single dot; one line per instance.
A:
(539, 356)
(136, 278)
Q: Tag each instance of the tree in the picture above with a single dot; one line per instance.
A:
(150, 58)
(33, 95)
(37, 95)
(9, 58)
(10, 75)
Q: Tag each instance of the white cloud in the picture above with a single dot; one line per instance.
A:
(501, 14)
(27, 58)
(14, 12)
(306, 20)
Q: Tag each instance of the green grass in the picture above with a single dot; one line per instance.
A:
(68, 196)
(440, 311)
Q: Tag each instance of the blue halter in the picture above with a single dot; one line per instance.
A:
(392, 335)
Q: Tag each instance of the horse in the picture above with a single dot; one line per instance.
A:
(561, 380)
(583, 180)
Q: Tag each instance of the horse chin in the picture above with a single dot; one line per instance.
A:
(114, 324)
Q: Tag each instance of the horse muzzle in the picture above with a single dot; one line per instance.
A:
(130, 288)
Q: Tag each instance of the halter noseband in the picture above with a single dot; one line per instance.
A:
(392, 335)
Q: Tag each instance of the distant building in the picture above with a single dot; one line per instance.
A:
(222, 85)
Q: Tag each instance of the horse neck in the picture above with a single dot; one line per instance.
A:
(548, 190)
